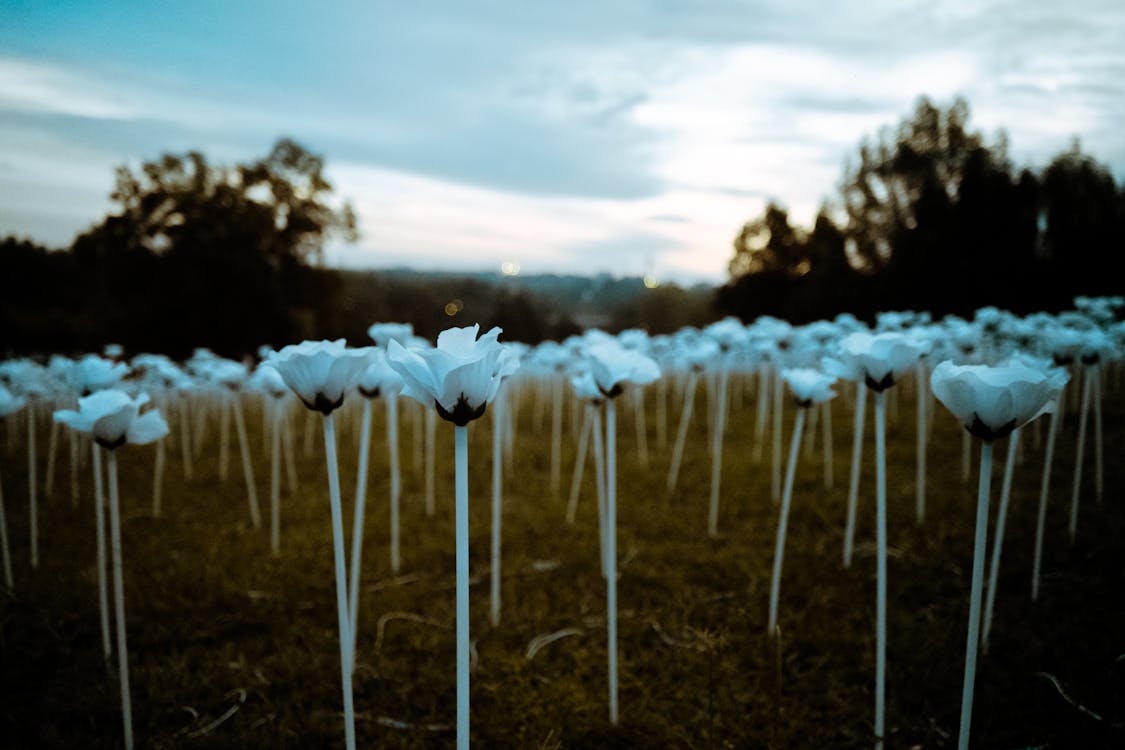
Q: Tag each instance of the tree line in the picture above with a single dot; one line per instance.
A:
(931, 217)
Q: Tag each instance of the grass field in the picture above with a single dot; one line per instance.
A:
(231, 648)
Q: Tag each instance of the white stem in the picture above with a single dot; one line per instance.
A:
(783, 520)
(775, 475)
(579, 467)
(1099, 481)
(826, 439)
(497, 506)
(99, 527)
(461, 531)
(431, 434)
(717, 451)
(185, 437)
(556, 433)
(600, 475)
(52, 449)
(1078, 459)
(274, 407)
(396, 474)
(975, 595)
(662, 413)
(224, 436)
(75, 461)
(1044, 487)
(880, 565)
(966, 456)
(417, 435)
(810, 435)
(920, 458)
(341, 579)
(681, 431)
(119, 601)
(762, 412)
(640, 424)
(357, 522)
(33, 503)
(247, 467)
(853, 483)
(4, 549)
(287, 447)
(158, 479)
(998, 538)
(611, 552)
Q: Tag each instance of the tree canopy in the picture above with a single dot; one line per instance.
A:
(931, 216)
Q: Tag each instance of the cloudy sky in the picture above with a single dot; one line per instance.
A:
(628, 136)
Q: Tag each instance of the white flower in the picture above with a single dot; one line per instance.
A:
(379, 379)
(585, 387)
(268, 380)
(93, 373)
(613, 367)
(114, 418)
(992, 401)
(10, 404)
(879, 359)
(320, 372)
(809, 386)
(459, 377)
(384, 333)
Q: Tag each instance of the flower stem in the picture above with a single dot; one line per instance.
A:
(4, 549)
(119, 600)
(274, 407)
(1044, 486)
(600, 476)
(717, 451)
(341, 578)
(396, 488)
(681, 431)
(33, 517)
(1078, 459)
(880, 564)
(853, 484)
(247, 466)
(611, 552)
(783, 520)
(920, 458)
(976, 586)
(461, 531)
(357, 522)
(998, 540)
(99, 527)
(579, 466)
(497, 505)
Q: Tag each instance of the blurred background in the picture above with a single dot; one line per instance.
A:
(236, 174)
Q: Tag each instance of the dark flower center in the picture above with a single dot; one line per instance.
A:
(879, 385)
(613, 392)
(986, 433)
(462, 413)
(108, 445)
(324, 405)
(372, 393)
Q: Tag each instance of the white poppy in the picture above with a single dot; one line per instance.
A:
(992, 401)
(882, 358)
(384, 333)
(379, 379)
(320, 372)
(93, 373)
(460, 376)
(9, 403)
(809, 386)
(114, 418)
(613, 367)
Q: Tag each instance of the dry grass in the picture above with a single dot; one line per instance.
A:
(231, 648)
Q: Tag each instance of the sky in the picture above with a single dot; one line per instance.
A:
(622, 136)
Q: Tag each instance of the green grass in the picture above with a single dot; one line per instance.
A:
(215, 624)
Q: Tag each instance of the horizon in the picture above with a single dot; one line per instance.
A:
(634, 139)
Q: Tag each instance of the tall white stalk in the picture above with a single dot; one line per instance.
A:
(717, 450)
(775, 468)
(1044, 488)
(611, 552)
(9, 581)
(579, 466)
(119, 601)
(998, 539)
(461, 532)
(247, 466)
(341, 579)
(224, 436)
(853, 482)
(556, 383)
(826, 440)
(497, 504)
(396, 474)
(33, 502)
(640, 424)
(1099, 474)
(976, 586)
(99, 527)
(682, 430)
(357, 521)
(1080, 455)
(920, 389)
(600, 476)
(274, 407)
(783, 520)
(185, 436)
(158, 480)
(431, 436)
(880, 565)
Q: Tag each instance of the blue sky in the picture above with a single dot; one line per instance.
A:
(625, 136)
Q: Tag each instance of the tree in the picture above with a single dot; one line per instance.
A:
(769, 244)
(201, 247)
